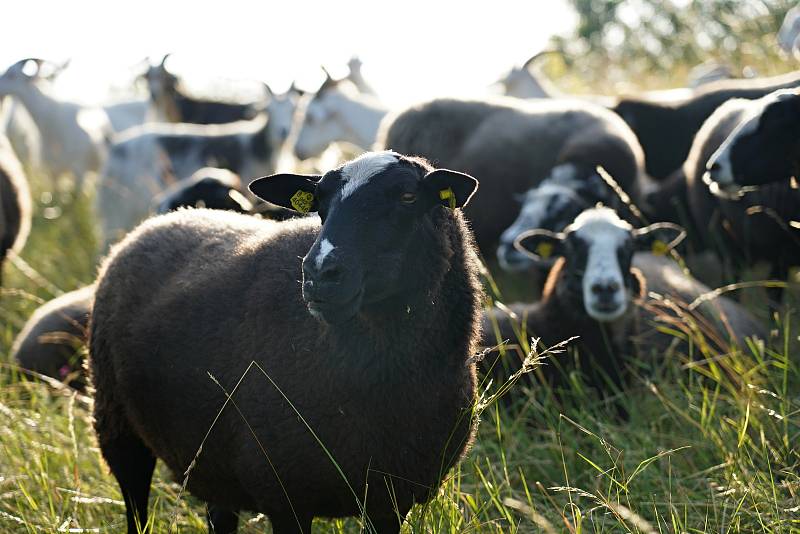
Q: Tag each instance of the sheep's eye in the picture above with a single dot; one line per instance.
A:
(408, 198)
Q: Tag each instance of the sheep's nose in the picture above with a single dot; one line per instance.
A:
(327, 274)
(284, 132)
(605, 290)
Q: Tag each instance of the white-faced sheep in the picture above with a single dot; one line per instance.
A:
(15, 203)
(144, 161)
(755, 141)
(511, 146)
(53, 339)
(365, 346)
(597, 291)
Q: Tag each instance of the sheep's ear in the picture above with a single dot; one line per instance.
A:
(659, 238)
(540, 244)
(452, 189)
(296, 192)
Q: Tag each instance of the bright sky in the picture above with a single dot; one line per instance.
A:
(411, 50)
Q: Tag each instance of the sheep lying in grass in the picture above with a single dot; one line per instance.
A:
(596, 291)
(52, 341)
(15, 203)
(365, 346)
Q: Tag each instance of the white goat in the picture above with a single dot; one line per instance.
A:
(528, 81)
(72, 135)
(143, 161)
(338, 112)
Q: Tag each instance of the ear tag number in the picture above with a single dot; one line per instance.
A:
(447, 194)
(659, 248)
(302, 201)
(544, 250)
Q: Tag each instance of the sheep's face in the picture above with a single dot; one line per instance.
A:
(552, 205)
(376, 214)
(764, 147)
(598, 248)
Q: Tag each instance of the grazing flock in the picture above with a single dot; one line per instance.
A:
(363, 281)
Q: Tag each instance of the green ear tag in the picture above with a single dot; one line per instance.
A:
(302, 201)
(447, 194)
(659, 248)
(544, 250)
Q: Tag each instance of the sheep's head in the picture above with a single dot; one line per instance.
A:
(210, 188)
(597, 249)
(764, 147)
(376, 214)
(552, 205)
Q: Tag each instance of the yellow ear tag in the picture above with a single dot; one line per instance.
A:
(659, 248)
(447, 194)
(302, 201)
(544, 250)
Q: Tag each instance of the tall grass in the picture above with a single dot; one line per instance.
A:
(711, 443)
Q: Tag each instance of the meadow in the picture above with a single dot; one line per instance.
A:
(711, 442)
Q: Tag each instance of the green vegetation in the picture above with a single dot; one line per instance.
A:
(711, 444)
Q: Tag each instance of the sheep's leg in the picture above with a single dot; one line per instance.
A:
(221, 520)
(289, 524)
(132, 464)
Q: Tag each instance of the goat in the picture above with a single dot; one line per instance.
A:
(527, 81)
(143, 161)
(73, 136)
(173, 104)
(337, 113)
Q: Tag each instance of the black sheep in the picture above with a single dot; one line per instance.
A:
(52, 340)
(752, 140)
(665, 129)
(15, 203)
(368, 338)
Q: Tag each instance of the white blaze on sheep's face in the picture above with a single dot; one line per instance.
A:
(720, 169)
(605, 296)
(720, 176)
(325, 248)
(359, 171)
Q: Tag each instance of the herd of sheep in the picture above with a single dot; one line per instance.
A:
(306, 345)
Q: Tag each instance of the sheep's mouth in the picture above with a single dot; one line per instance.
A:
(336, 311)
(606, 312)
